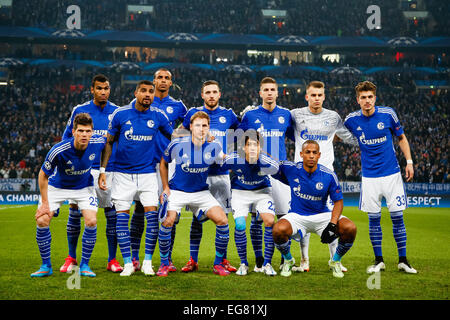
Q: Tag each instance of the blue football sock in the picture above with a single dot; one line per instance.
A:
(164, 237)
(285, 249)
(87, 243)
(195, 238)
(172, 240)
(375, 233)
(341, 250)
(399, 230)
(73, 231)
(240, 239)
(256, 237)
(123, 236)
(137, 226)
(268, 245)
(44, 240)
(111, 236)
(151, 233)
(222, 237)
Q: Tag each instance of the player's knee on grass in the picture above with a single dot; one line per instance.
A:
(281, 231)
(240, 223)
(346, 230)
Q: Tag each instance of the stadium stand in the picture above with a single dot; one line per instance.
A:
(52, 78)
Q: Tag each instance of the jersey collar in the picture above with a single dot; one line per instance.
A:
(267, 111)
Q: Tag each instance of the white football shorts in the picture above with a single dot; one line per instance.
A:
(220, 188)
(199, 202)
(254, 201)
(301, 225)
(374, 189)
(85, 198)
(281, 194)
(125, 186)
(103, 196)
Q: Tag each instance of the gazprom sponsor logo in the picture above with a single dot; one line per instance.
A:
(307, 196)
(305, 135)
(271, 133)
(250, 183)
(217, 133)
(185, 167)
(363, 140)
(73, 172)
(101, 132)
(130, 136)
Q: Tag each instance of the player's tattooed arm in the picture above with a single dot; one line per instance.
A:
(107, 151)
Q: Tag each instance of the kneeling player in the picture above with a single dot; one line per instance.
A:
(188, 187)
(72, 159)
(311, 184)
(252, 192)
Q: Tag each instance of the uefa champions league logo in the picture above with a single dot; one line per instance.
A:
(182, 37)
(47, 165)
(292, 40)
(403, 41)
(67, 33)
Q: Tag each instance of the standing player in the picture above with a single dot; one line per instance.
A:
(322, 125)
(221, 120)
(66, 175)
(311, 184)
(252, 192)
(100, 109)
(134, 128)
(175, 110)
(193, 156)
(374, 126)
(272, 122)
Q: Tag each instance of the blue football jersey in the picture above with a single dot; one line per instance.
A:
(246, 176)
(309, 191)
(101, 118)
(135, 132)
(272, 125)
(374, 134)
(192, 163)
(175, 110)
(221, 120)
(69, 168)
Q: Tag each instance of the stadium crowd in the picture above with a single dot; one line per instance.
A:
(329, 17)
(35, 109)
(120, 54)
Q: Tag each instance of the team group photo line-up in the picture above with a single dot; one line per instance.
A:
(163, 157)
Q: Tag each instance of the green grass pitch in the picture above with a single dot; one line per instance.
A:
(428, 251)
